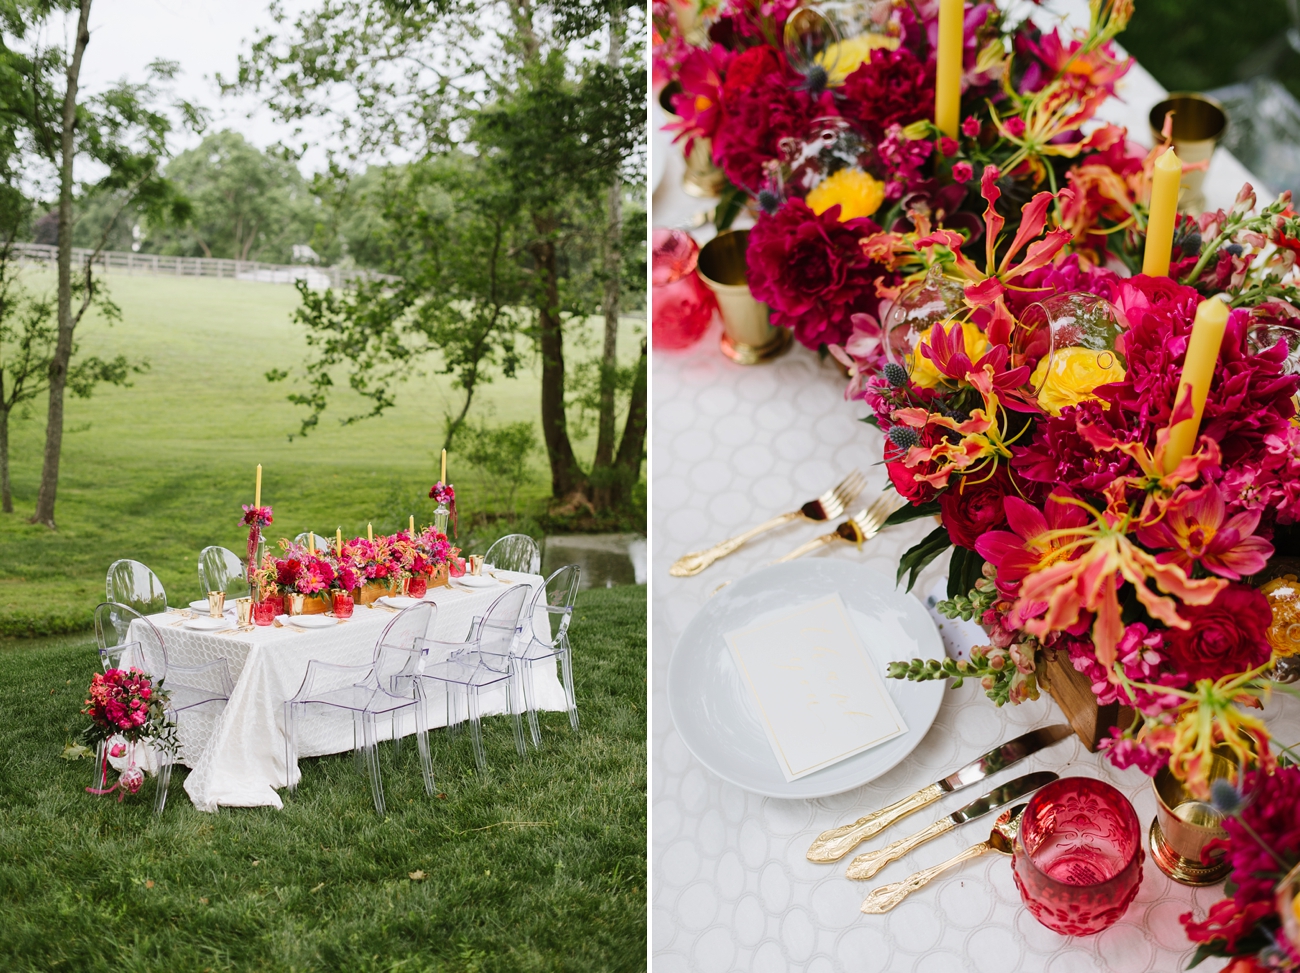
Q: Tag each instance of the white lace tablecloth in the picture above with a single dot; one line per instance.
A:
(237, 753)
(731, 888)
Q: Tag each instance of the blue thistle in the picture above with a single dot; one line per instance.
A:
(1225, 798)
(895, 374)
(904, 437)
(814, 80)
(1192, 243)
(768, 201)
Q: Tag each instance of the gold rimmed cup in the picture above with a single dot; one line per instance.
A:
(1198, 124)
(244, 612)
(1184, 825)
(748, 338)
(216, 603)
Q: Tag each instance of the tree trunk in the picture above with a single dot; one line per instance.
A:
(63, 348)
(632, 446)
(603, 477)
(566, 475)
(6, 496)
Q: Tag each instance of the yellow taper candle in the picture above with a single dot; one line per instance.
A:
(338, 540)
(947, 77)
(443, 477)
(1198, 370)
(311, 542)
(412, 526)
(370, 534)
(257, 494)
(1164, 212)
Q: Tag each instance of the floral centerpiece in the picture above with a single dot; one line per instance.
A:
(131, 705)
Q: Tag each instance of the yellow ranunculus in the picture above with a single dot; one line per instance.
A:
(925, 375)
(848, 55)
(1074, 373)
(857, 193)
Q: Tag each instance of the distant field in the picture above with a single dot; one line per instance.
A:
(158, 471)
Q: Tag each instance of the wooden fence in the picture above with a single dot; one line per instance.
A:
(119, 262)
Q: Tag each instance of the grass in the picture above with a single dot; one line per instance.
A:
(539, 866)
(158, 471)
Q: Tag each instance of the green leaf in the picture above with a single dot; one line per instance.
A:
(909, 512)
(914, 560)
(957, 572)
(730, 203)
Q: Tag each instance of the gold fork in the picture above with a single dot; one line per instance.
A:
(862, 526)
(830, 504)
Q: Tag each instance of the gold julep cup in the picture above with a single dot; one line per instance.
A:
(293, 604)
(1184, 825)
(703, 179)
(244, 611)
(216, 603)
(476, 564)
(747, 336)
(1199, 124)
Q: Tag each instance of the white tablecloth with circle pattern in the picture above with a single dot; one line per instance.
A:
(731, 887)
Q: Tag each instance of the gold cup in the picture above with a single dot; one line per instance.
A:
(476, 564)
(703, 179)
(747, 336)
(1184, 825)
(293, 603)
(244, 611)
(1199, 123)
(216, 603)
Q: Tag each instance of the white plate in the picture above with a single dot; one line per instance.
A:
(477, 581)
(206, 624)
(397, 601)
(312, 621)
(199, 606)
(713, 710)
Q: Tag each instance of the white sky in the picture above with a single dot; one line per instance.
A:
(205, 37)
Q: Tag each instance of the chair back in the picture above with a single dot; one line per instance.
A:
(132, 583)
(121, 646)
(515, 552)
(500, 624)
(322, 544)
(557, 596)
(222, 570)
(398, 649)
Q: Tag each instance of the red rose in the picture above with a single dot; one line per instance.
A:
(810, 270)
(749, 68)
(905, 482)
(971, 508)
(1228, 635)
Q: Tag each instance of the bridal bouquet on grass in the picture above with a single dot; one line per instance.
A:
(130, 705)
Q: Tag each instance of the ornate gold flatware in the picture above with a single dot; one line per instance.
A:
(861, 527)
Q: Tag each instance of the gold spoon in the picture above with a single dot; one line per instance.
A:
(1001, 839)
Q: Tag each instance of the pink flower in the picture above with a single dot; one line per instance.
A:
(962, 172)
(947, 146)
(1198, 529)
(970, 127)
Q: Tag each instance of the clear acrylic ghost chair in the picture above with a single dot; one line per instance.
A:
(556, 597)
(515, 552)
(132, 583)
(480, 662)
(369, 693)
(126, 638)
(322, 544)
(222, 570)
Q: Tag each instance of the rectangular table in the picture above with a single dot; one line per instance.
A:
(237, 752)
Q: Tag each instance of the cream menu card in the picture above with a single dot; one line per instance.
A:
(816, 688)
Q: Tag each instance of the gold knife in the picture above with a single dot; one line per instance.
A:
(834, 844)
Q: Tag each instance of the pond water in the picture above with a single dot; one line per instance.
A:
(606, 559)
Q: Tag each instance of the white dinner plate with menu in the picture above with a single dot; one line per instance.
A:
(715, 714)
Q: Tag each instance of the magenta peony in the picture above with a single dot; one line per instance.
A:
(1226, 636)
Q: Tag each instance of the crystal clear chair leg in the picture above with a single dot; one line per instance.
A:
(100, 779)
(291, 746)
(422, 743)
(371, 750)
(453, 712)
(514, 704)
(358, 744)
(164, 779)
(530, 700)
(475, 731)
(566, 666)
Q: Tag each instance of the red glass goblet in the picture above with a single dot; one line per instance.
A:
(1078, 856)
(264, 611)
(681, 306)
(342, 604)
(418, 586)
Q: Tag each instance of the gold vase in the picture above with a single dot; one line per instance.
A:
(703, 179)
(748, 338)
(1184, 825)
(1199, 123)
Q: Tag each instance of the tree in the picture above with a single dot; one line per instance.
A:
(554, 127)
(246, 204)
(119, 129)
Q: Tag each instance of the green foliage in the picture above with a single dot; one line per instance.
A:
(997, 678)
(538, 866)
(915, 559)
(965, 571)
(503, 454)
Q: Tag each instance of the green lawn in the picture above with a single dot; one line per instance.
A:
(158, 471)
(539, 866)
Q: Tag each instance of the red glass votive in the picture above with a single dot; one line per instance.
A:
(417, 586)
(456, 567)
(681, 305)
(1078, 856)
(342, 604)
(264, 611)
